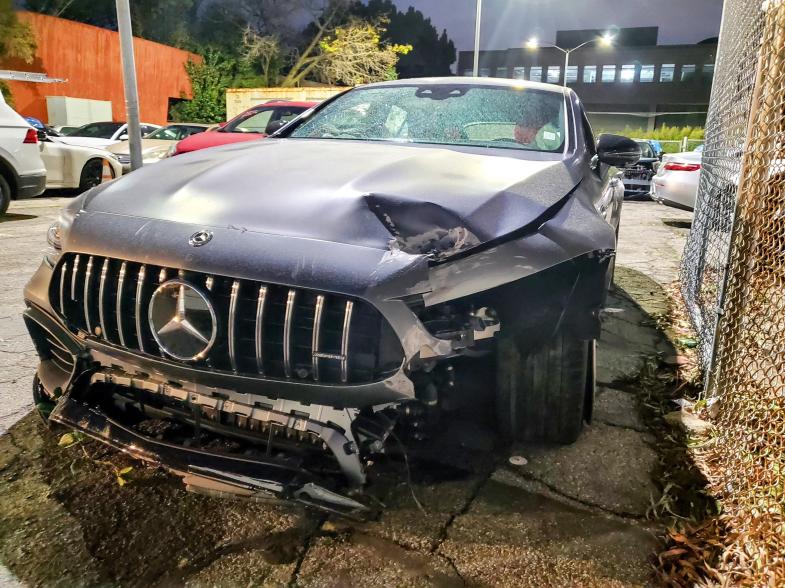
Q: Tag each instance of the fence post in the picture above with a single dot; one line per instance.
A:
(685, 144)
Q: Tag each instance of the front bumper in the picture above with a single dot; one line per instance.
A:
(79, 405)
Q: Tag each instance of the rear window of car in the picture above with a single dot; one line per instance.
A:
(447, 114)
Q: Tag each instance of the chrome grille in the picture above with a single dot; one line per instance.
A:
(264, 330)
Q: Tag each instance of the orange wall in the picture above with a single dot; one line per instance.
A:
(89, 58)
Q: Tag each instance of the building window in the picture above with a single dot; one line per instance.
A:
(666, 72)
(554, 74)
(485, 72)
(535, 74)
(627, 74)
(501, 72)
(708, 71)
(608, 73)
(687, 72)
(647, 73)
(571, 74)
(589, 74)
(519, 73)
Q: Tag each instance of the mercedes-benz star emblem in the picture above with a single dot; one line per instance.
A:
(182, 320)
(200, 238)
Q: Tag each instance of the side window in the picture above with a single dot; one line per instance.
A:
(588, 135)
(256, 123)
(147, 129)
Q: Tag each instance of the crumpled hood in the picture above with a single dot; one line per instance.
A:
(419, 199)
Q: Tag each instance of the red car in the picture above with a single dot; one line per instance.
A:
(254, 123)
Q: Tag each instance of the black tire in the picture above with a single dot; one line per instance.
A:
(91, 174)
(543, 394)
(5, 195)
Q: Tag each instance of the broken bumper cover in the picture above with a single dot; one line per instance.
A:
(207, 471)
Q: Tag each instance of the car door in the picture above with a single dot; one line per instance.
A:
(56, 158)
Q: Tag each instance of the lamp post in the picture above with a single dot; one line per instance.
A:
(606, 41)
(477, 21)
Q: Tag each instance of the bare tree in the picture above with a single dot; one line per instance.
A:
(265, 51)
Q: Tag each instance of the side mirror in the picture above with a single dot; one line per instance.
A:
(618, 151)
(123, 137)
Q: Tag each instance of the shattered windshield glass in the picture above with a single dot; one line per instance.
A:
(445, 114)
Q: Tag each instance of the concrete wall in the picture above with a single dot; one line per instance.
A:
(240, 99)
(89, 58)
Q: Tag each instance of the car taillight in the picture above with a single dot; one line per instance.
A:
(672, 166)
(31, 136)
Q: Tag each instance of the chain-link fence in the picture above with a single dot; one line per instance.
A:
(733, 273)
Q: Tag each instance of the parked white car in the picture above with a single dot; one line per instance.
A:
(103, 134)
(22, 171)
(75, 166)
(676, 181)
(157, 144)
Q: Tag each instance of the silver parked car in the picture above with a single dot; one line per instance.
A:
(676, 181)
(403, 252)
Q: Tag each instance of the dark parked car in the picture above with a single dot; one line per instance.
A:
(637, 178)
(267, 318)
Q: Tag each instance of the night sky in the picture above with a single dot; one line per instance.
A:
(508, 23)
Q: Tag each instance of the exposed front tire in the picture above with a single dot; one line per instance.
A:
(91, 174)
(5, 195)
(544, 394)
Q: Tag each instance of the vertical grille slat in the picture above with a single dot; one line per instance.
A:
(264, 330)
(61, 289)
(291, 297)
(86, 294)
(73, 278)
(259, 329)
(232, 324)
(102, 299)
(347, 323)
(119, 303)
(316, 335)
(138, 308)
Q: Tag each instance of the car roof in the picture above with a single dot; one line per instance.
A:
(275, 103)
(470, 81)
(188, 124)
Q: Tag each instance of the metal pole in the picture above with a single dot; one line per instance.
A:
(129, 82)
(477, 21)
(566, 65)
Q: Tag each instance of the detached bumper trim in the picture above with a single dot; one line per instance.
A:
(210, 472)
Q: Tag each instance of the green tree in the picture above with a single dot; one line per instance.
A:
(432, 54)
(17, 41)
(209, 81)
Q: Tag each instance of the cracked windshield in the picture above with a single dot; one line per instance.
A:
(509, 118)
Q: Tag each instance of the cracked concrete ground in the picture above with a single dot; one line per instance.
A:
(569, 516)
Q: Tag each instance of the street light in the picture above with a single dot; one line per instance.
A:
(606, 41)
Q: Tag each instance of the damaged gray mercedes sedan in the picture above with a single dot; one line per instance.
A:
(271, 319)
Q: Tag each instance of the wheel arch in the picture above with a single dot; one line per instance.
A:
(10, 176)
